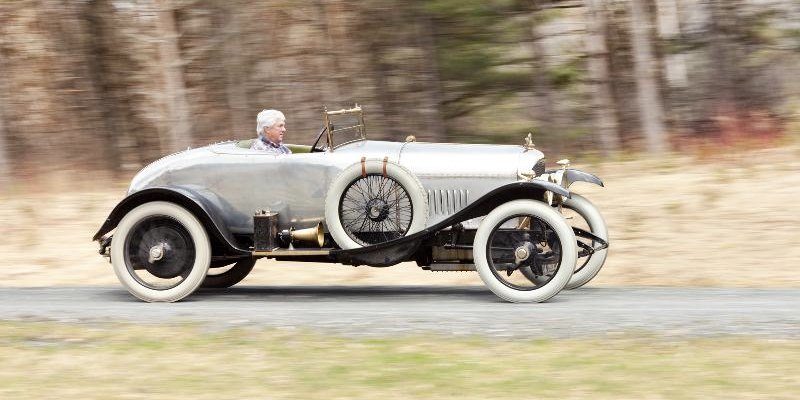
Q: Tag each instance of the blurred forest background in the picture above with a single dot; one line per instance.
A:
(110, 85)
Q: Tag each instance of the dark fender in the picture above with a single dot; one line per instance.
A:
(222, 241)
(395, 251)
(574, 175)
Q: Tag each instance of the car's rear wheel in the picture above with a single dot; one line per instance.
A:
(225, 277)
(160, 252)
(374, 201)
(524, 234)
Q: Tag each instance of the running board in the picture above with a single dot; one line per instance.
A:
(280, 252)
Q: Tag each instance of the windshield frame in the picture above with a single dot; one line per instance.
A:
(355, 110)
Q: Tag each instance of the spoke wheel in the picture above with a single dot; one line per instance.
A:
(524, 234)
(516, 252)
(373, 202)
(160, 252)
(375, 209)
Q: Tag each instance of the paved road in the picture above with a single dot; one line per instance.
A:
(379, 311)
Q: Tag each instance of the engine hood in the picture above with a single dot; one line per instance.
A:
(439, 160)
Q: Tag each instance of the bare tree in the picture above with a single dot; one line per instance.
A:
(378, 43)
(5, 170)
(333, 25)
(426, 40)
(543, 110)
(669, 30)
(96, 54)
(674, 68)
(726, 53)
(233, 61)
(178, 122)
(650, 108)
(604, 106)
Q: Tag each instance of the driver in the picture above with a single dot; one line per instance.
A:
(270, 126)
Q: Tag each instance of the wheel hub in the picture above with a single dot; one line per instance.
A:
(161, 263)
(377, 210)
(157, 252)
(521, 254)
(522, 257)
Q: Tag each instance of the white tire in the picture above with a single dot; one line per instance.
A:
(160, 252)
(586, 270)
(397, 207)
(524, 290)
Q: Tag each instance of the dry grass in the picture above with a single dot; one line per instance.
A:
(167, 362)
(728, 222)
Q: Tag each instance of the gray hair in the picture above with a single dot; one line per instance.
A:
(268, 119)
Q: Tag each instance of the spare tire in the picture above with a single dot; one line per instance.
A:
(374, 201)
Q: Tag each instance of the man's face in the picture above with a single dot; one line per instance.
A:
(275, 133)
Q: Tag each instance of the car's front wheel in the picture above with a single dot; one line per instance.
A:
(588, 218)
(160, 252)
(524, 234)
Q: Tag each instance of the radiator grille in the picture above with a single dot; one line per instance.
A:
(539, 167)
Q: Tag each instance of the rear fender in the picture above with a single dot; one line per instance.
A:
(222, 241)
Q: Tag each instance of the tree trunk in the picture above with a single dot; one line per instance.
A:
(235, 90)
(335, 38)
(5, 169)
(603, 104)
(178, 122)
(5, 164)
(426, 39)
(106, 104)
(650, 108)
(371, 20)
(723, 52)
(673, 63)
(543, 110)
(70, 77)
(669, 30)
(384, 93)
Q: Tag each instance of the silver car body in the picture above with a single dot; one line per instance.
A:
(237, 181)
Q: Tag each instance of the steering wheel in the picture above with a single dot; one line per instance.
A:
(314, 148)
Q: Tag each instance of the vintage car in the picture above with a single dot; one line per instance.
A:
(202, 217)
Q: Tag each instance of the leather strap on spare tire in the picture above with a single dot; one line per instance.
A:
(363, 167)
(373, 201)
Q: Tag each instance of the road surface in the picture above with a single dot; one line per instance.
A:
(397, 310)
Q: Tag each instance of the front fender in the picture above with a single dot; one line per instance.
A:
(534, 189)
(222, 240)
(571, 176)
